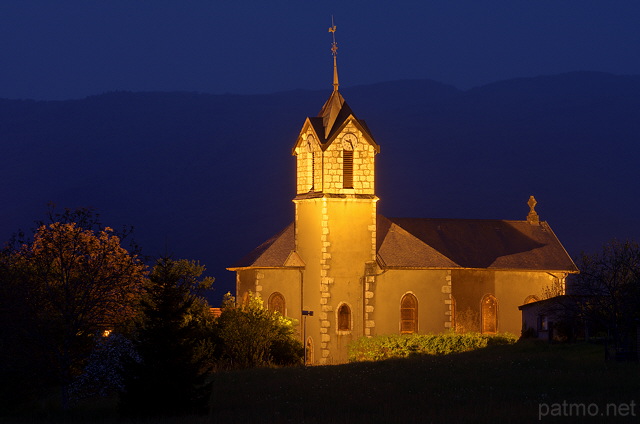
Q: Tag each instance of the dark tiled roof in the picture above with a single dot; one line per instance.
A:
(273, 253)
(316, 123)
(444, 244)
(345, 112)
(470, 243)
(563, 301)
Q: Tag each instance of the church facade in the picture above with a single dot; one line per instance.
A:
(363, 274)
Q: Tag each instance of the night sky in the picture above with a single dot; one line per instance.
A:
(72, 49)
(59, 50)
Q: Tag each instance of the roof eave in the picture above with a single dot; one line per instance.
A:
(460, 268)
(244, 268)
(351, 118)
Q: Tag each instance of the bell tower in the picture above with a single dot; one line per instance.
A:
(335, 222)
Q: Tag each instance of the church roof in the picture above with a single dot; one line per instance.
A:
(273, 253)
(333, 116)
(470, 243)
(334, 107)
(443, 244)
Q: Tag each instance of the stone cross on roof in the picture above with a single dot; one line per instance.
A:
(533, 217)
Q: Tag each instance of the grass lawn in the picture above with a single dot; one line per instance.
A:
(497, 384)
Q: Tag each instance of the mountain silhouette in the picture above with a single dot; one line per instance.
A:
(210, 177)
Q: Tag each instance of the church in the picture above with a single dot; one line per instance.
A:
(344, 271)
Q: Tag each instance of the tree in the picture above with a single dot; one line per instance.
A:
(173, 341)
(253, 336)
(64, 289)
(611, 281)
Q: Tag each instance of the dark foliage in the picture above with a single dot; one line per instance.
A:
(169, 376)
(59, 292)
(610, 281)
(252, 336)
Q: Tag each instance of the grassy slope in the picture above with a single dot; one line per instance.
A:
(496, 384)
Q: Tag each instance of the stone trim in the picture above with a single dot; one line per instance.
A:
(446, 289)
(258, 284)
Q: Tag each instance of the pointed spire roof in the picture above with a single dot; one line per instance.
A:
(331, 110)
(335, 113)
(334, 104)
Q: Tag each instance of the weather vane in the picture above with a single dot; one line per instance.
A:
(334, 52)
(334, 45)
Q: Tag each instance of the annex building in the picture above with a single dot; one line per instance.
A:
(364, 274)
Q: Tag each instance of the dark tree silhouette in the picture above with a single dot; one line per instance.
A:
(63, 290)
(169, 377)
(611, 281)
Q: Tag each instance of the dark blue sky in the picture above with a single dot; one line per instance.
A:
(71, 49)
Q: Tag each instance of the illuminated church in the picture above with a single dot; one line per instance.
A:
(364, 274)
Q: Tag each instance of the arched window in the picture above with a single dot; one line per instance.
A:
(408, 314)
(489, 312)
(530, 299)
(344, 318)
(309, 352)
(276, 303)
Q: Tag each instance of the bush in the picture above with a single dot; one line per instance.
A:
(253, 336)
(401, 346)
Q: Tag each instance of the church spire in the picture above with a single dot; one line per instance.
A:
(333, 106)
(334, 52)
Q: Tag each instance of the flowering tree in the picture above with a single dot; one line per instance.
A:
(73, 282)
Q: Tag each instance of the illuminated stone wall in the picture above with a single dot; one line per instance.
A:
(307, 152)
(323, 171)
(363, 164)
(431, 288)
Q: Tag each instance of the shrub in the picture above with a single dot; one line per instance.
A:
(253, 336)
(401, 346)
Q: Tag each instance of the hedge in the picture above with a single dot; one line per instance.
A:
(401, 346)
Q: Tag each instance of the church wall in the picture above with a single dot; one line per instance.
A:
(512, 289)
(304, 172)
(308, 163)
(245, 283)
(284, 281)
(468, 287)
(363, 164)
(309, 245)
(430, 289)
(348, 237)
(351, 233)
